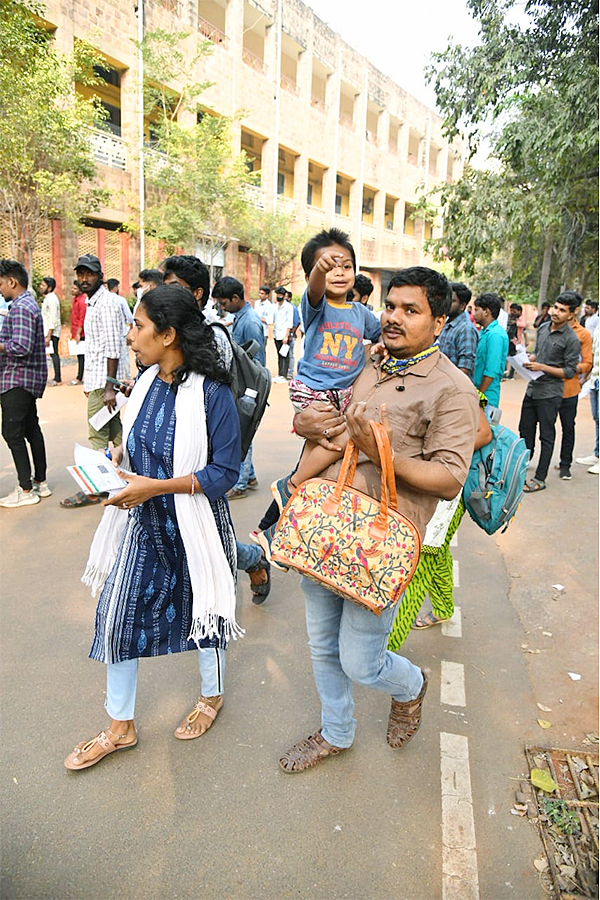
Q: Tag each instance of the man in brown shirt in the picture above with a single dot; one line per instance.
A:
(430, 410)
(572, 387)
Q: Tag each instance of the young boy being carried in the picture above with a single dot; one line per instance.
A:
(334, 354)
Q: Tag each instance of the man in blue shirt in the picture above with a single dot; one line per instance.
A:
(459, 338)
(247, 326)
(492, 349)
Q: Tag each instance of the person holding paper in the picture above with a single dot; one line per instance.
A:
(164, 553)
(104, 324)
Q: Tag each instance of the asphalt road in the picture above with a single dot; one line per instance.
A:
(215, 818)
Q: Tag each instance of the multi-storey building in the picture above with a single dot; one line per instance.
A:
(335, 141)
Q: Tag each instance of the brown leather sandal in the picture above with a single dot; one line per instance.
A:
(405, 719)
(201, 707)
(108, 746)
(308, 753)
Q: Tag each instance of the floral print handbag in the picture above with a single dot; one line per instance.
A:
(358, 547)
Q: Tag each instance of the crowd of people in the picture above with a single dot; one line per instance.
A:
(428, 366)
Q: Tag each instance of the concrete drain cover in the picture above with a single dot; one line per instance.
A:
(568, 819)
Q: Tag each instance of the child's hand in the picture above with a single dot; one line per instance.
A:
(328, 261)
(379, 349)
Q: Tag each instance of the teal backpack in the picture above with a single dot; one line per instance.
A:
(494, 485)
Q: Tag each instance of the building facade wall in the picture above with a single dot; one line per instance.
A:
(297, 88)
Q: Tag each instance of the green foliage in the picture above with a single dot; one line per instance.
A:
(536, 87)
(197, 181)
(46, 161)
(561, 815)
(278, 240)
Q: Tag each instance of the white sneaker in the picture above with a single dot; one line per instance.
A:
(41, 488)
(595, 470)
(19, 497)
(587, 460)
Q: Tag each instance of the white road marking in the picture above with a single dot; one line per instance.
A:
(452, 691)
(460, 880)
(456, 573)
(453, 627)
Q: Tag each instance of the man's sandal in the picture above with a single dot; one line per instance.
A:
(260, 580)
(427, 621)
(80, 499)
(102, 740)
(308, 753)
(533, 486)
(201, 708)
(405, 719)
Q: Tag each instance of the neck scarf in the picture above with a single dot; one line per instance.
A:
(213, 586)
(393, 366)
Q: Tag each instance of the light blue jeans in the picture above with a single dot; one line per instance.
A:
(246, 472)
(348, 643)
(247, 555)
(121, 682)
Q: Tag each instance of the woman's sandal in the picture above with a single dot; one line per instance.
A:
(202, 707)
(103, 740)
(308, 753)
(427, 621)
(533, 486)
(80, 499)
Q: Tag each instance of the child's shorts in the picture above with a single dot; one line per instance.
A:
(302, 396)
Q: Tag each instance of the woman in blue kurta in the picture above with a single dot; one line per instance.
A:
(166, 545)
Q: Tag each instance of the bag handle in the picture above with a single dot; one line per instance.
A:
(378, 529)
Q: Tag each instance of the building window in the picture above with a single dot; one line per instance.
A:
(390, 212)
(409, 222)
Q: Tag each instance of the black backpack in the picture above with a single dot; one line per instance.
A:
(248, 374)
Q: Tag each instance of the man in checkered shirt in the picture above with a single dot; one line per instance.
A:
(104, 325)
(23, 374)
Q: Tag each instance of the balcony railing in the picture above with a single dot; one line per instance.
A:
(372, 138)
(212, 33)
(315, 216)
(287, 206)
(254, 196)
(343, 222)
(255, 62)
(109, 149)
(288, 84)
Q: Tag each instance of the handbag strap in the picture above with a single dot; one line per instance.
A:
(388, 477)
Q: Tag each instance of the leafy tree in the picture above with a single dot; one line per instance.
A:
(532, 89)
(276, 238)
(46, 162)
(197, 181)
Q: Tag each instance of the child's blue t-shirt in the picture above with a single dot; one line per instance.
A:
(333, 342)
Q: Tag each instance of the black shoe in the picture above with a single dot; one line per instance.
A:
(565, 474)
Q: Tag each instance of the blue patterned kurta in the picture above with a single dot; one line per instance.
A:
(150, 577)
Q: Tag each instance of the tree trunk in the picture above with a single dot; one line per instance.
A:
(547, 262)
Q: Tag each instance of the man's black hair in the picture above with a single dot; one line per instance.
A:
(266, 288)
(572, 299)
(463, 293)
(363, 285)
(321, 240)
(280, 291)
(191, 270)
(10, 268)
(50, 281)
(593, 304)
(435, 285)
(112, 283)
(545, 305)
(517, 307)
(226, 287)
(152, 276)
(490, 301)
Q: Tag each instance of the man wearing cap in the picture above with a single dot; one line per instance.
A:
(104, 325)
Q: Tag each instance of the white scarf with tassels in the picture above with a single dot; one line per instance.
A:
(212, 583)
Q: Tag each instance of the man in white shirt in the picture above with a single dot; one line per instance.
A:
(51, 317)
(103, 327)
(283, 323)
(264, 309)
